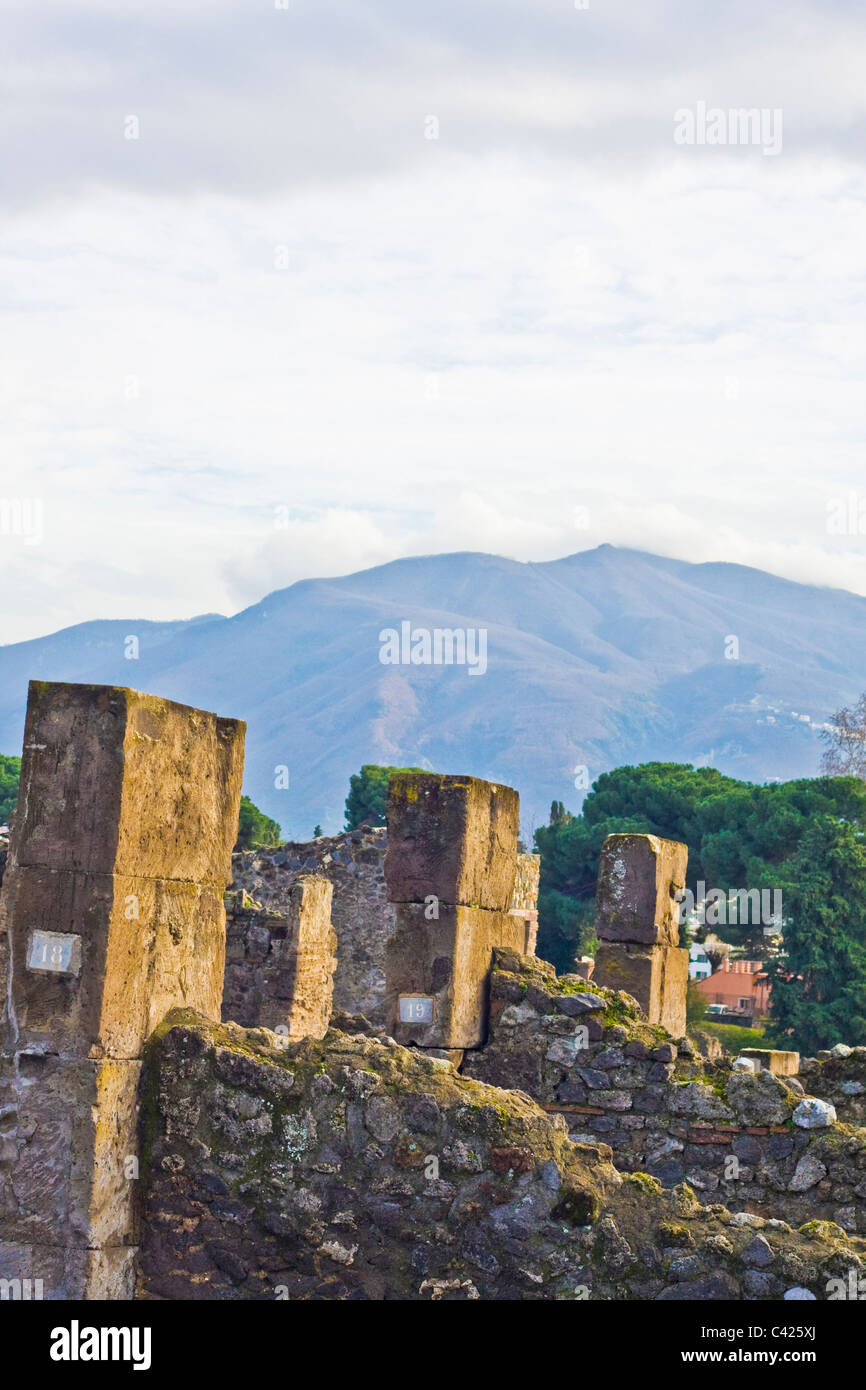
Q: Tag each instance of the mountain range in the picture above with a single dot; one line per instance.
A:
(605, 657)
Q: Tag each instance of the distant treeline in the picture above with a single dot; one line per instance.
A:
(254, 828)
(10, 772)
(805, 837)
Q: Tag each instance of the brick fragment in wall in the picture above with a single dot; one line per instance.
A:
(530, 935)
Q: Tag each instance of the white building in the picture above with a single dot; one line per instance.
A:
(699, 963)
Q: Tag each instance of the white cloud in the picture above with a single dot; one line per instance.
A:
(284, 296)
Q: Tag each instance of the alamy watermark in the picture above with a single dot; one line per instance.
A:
(851, 1287)
(22, 516)
(718, 907)
(21, 1289)
(439, 646)
(77, 1343)
(736, 126)
(846, 516)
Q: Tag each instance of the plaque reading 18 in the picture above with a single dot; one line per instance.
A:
(416, 1008)
(58, 953)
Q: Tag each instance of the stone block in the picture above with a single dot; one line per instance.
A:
(303, 980)
(58, 1273)
(5, 1030)
(779, 1063)
(530, 927)
(446, 960)
(452, 838)
(638, 881)
(812, 1113)
(115, 781)
(526, 880)
(656, 976)
(146, 946)
(76, 1129)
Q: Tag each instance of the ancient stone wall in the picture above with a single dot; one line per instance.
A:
(4, 954)
(112, 911)
(363, 917)
(838, 1076)
(352, 1168)
(279, 969)
(317, 1163)
(589, 1054)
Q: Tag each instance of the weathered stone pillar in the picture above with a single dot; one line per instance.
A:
(637, 923)
(524, 898)
(450, 867)
(113, 914)
(280, 968)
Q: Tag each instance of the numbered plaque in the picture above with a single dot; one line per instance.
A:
(416, 1008)
(55, 953)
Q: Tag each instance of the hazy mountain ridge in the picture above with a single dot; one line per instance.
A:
(603, 657)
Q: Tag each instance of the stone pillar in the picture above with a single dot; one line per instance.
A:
(450, 867)
(280, 968)
(524, 899)
(637, 923)
(113, 915)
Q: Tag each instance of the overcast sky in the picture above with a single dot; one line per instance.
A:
(382, 278)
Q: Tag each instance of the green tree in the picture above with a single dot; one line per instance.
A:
(10, 771)
(368, 794)
(740, 835)
(255, 828)
(819, 984)
(696, 1004)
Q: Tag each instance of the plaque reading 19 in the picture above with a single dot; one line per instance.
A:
(416, 1008)
(58, 953)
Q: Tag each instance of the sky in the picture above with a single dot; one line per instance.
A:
(293, 288)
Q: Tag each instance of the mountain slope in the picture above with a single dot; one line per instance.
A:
(601, 658)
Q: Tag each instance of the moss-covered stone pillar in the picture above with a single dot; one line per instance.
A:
(450, 867)
(640, 879)
(113, 915)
